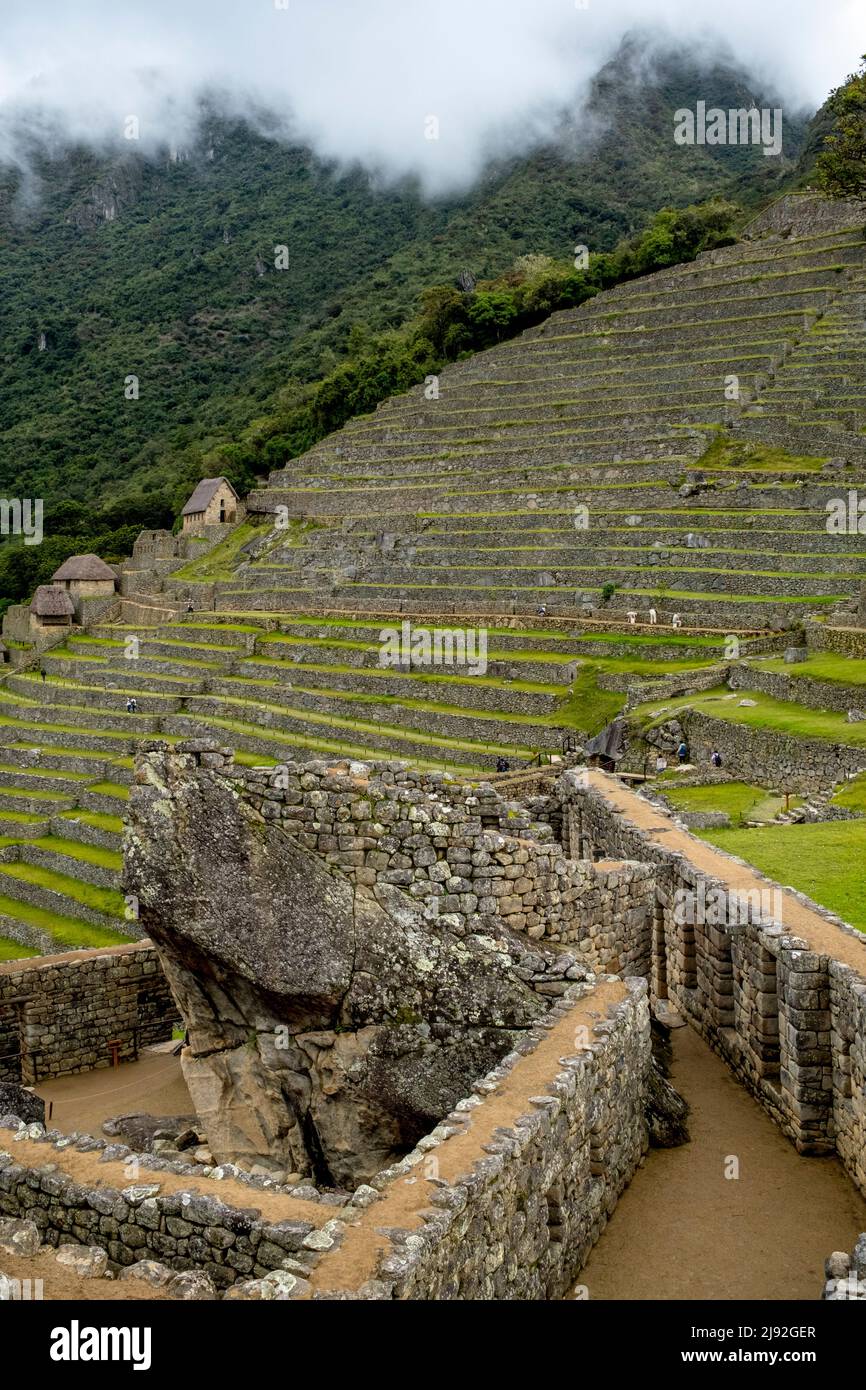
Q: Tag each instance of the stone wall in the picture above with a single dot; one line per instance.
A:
(787, 1017)
(462, 852)
(511, 1191)
(791, 762)
(506, 1196)
(803, 690)
(161, 1213)
(60, 1012)
(847, 641)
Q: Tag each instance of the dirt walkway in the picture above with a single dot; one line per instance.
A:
(682, 1230)
(795, 917)
(154, 1084)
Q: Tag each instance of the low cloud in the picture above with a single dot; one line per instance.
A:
(375, 80)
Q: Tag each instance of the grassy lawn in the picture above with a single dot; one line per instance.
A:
(853, 794)
(99, 899)
(67, 931)
(115, 789)
(220, 562)
(58, 775)
(96, 819)
(827, 861)
(74, 849)
(823, 666)
(740, 800)
(13, 950)
(781, 716)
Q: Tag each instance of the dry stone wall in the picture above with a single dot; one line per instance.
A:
(59, 1013)
(790, 1020)
(792, 762)
(463, 853)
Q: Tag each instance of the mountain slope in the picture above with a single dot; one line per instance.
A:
(165, 272)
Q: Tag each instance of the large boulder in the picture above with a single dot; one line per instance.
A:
(21, 1101)
(329, 1026)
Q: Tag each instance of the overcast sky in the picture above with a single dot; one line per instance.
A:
(359, 78)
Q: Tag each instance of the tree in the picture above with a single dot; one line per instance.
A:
(841, 166)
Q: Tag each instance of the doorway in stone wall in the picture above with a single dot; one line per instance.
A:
(10, 1043)
(659, 968)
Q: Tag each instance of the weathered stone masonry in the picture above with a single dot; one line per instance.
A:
(510, 1190)
(461, 852)
(790, 1021)
(59, 1013)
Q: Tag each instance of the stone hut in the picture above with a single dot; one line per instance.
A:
(213, 503)
(51, 607)
(86, 576)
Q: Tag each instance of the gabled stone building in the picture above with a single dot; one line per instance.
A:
(213, 503)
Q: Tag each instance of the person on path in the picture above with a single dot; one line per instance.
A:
(683, 752)
(716, 758)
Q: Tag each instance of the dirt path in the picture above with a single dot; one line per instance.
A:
(154, 1084)
(795, 917)
(682, 1230)
(60, 1282)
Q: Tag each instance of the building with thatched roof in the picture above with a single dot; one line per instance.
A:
(213, 503)
(86, 576)
(51, 606)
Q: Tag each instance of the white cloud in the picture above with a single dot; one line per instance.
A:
(360, 77)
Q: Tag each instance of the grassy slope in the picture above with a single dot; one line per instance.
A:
(827, 861)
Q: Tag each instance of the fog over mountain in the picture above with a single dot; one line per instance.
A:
(361, 79)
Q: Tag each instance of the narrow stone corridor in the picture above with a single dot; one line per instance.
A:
(683, 1230)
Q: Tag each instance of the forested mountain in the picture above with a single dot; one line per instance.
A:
(113, 267)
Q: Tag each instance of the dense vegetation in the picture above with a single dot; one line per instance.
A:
(841, 165)
(114, 267)
(454, 323)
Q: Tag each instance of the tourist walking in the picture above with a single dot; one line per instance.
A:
(683, 752)
(716, 758)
